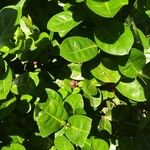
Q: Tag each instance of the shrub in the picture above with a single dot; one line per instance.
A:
(74, 74)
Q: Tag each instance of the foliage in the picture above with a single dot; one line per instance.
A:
(74, 74)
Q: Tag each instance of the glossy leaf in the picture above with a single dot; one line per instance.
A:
(5, 83)
(50, 117)
(134, 64)
(106, 8)
(132, 90)
(77, 131)
(62, 143)
(62, 22)
(105, 74)
(78, 49)
(114, 38)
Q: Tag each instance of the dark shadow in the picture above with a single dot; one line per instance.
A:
(88, 66)
(25, 84)
(6, 111)
(8, 17)
(109, 32)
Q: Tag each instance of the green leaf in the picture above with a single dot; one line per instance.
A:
(132, 90)
(147, 54)
(25, 83)
(14, 146)
(99, 144)
(50, 117)
(78, 49)
(53, 95)
(95, 101)
(75, 71)
(17, 139)
(142, 39)
(79, 129)
(7, 107)
(95, 144)
(5, 83)
(114, 38)
(89, 88)
(9, 17)
(62, 143)
(105, 124)
(106, 8)
(75, 101)
(134, 65)
(105, 74)
(62, 22)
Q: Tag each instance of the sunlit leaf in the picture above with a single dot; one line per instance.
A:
(77, 131)
(114, 38)
(78, 49)
(106, 8)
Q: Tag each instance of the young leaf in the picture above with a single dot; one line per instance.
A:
(79, 129)
(114, 38)
(106, 8)
(78, 49)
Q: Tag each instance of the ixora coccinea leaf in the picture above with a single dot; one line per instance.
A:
(78, 129)
(114, 38)
(50, 116)
(132, 90)
(105, 74)
(134, 64)
(62, 22)
(78, 49)
(106, 8)
(5, 83)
